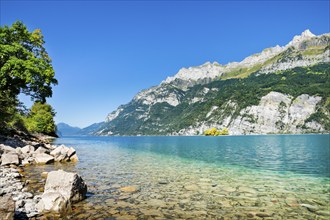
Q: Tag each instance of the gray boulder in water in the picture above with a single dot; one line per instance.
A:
(63, 153)
(61, 189)
(53, 202)
(43, 158)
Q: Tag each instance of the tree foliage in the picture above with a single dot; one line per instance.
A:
(25, 67)
(25, 64)
(40, 119)
(216, 132)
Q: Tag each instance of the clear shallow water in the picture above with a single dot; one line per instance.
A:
(279, 176)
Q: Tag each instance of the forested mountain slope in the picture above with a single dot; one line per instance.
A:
(280, 90)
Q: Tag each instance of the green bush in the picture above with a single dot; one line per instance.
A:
(40, 119)
(216, 132)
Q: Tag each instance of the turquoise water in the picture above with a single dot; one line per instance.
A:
(230, 177)
(306, 154)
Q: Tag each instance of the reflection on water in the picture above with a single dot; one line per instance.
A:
(276, 177)
(306, 154)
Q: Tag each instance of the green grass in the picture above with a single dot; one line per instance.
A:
(313, 50)
(245, 72)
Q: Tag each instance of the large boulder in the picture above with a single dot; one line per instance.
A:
(71, 152)
(41, 150)
(28, 149)
(6, 149)
(60, 153)
(53, 202)
(63, 153)
(43, 158)
(7, 207)
(70, 185)
(61, 189)
(62, 149)
(9, 158)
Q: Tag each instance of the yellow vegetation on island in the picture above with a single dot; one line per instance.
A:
(216, 132)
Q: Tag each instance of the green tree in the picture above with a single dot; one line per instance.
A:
(25, 67)
(41, 119)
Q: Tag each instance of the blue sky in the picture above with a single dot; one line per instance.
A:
(104, 52)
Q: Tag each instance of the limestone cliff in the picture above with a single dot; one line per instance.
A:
(275, 113)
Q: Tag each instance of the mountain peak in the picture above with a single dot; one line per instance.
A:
(307, 34)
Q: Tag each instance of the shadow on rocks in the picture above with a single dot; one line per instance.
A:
(20, 216)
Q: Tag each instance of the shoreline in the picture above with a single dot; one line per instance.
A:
(230, 135)
(16, 152)
(20, 203)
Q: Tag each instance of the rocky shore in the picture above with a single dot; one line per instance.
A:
(16, 201)
(61, 189)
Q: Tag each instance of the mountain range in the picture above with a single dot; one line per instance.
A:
(64, 129)
(283, 89)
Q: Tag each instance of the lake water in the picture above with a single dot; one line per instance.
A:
(229, 177)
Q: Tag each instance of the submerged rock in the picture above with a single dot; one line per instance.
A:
(163, 182)
(229, 189)
(244, 189)
(191, 187)
(311, 208)
(264, 214)
(129, 189)
(323, 212)
(44, 174)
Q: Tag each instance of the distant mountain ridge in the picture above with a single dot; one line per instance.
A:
(89, 130)
(283, 89)
(64, 129)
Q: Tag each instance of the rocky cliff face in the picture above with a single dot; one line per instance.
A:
(275, 113)
(189, 102)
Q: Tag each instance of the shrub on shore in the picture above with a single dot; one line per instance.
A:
(216, 132)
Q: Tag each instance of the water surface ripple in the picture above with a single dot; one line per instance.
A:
(230, 177)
